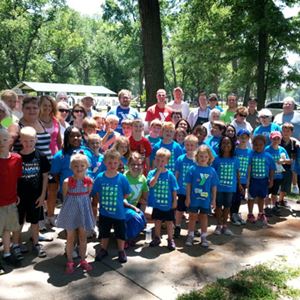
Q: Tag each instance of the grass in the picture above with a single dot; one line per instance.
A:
(264, 282)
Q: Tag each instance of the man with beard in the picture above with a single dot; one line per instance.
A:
(124, 111)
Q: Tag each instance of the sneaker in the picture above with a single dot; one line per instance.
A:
(177, 232)
(189, 241)
(204, 242)
(284, 203)
(218, 230)
(51, 221)
(122, 257)
(171, 245)
(39, 251)
(85, 265)
(16, 251)
(155, 242)
(263, 219)
(70, 267)
(227, 231)
(12, 261)
(295, 189)
(235, 219)
(43, 238)
(101, 254)
(251, 218)
(242, 221)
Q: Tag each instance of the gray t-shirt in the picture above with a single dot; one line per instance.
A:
(293, 118)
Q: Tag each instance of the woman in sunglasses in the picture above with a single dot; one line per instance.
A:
(63, 111)
(78, 114)
(239, 122)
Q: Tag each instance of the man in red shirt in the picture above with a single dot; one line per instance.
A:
(160, 110)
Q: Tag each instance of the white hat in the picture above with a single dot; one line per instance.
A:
(264, 113)
(88, 95)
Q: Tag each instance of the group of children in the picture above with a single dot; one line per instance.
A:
(120, 174)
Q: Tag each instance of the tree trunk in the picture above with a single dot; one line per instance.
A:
(246, 95)
(262, 53)
(152, 48)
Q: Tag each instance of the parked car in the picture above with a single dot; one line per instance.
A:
(276, 107)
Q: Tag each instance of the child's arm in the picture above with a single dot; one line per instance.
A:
(188, 195)
(65, 187)
(126, 204)
(154, 179)
(241, 189)
(40, 200)
(213, 196)
(248, 177)
(143, 200)
(271, 177)
(174, 202)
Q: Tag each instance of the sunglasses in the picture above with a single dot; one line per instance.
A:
(264, 117)
(241, 115)
(63, 110)
(78, 111)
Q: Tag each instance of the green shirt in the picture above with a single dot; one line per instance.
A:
(138, 185)
(227, 116)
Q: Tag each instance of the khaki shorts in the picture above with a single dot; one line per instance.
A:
(9, 218)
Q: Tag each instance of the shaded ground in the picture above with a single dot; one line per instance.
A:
(152, 273)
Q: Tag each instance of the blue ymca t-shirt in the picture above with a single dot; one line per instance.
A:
(213, 142)
(261, 164)
(152, 140)
(160, 196)
(276, 154)
(182, 165)
(111, 194)
(175, 150)
(226, 169)
(265, 131)
(96, 163)
(243, 156)
(129, 113)
(202, 180)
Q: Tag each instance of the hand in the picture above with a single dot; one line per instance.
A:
(213, 204)
(39, 202)
(242, 191)
(18, 200)
(137, 209)
(110, 130)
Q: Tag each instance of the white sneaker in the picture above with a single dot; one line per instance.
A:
(189, 241)
(241, 220)
(204, 242)
(227, 231)
(295, 189)
(235, 219)
(218, 230)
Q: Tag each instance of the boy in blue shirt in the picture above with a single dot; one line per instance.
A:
(281, 158)
(260, 178)
(167, 142)
(217, 131)
(163, 194)
(111, 188)
(182, 165)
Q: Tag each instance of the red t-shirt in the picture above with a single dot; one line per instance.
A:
(10, 171)
(154, 112)
(143, 146)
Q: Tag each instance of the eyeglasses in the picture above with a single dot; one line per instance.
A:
(78, 111)
(63, 98)
(264, 117)
(241, 115)
(62, 110)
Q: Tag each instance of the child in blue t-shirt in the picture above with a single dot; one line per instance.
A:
(179, 137)
(227, 168)
(163, 194)
(182, 165)
(154, 135)
(167, 142)
(242, 152)
(261, 174)
(281, 158)
(111, 188)
(201, 190)
(217, 131)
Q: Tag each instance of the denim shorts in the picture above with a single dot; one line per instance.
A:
(201, 210)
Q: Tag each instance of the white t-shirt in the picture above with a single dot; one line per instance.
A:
(183, 107)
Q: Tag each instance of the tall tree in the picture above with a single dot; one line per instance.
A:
(152, 48)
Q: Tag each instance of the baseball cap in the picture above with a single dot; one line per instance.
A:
(275, 134)
(264, 113)
(243, 131)
(88, 95)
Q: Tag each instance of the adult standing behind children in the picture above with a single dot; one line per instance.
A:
(228, 115)
(252, 117)
(123, 111)
(178, 104)
(201, 115)
(88, 103)
(289, 116)
(159, 110)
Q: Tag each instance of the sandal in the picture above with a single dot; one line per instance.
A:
(85, 265)
(69, 267)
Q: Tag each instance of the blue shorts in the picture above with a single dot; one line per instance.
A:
(201, 210)
(224, 199)
(181, 203)
(259, 187)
